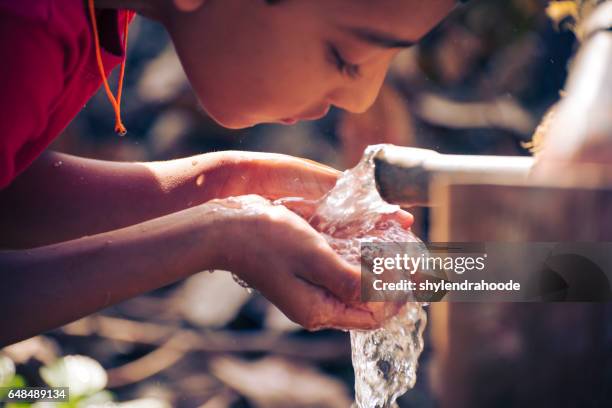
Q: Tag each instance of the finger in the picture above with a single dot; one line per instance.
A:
(315, 308)
(302, 207)
(404, 218)
(323, 168)
(325, 268)
(240, 201)
(343, 316)
(318, 181)
(382, 311)
(290, 177)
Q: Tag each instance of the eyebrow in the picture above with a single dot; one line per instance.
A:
(380, 38)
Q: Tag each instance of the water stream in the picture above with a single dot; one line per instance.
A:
(352, 213)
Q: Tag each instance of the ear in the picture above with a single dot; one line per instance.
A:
(188, 5)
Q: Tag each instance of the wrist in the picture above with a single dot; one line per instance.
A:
(193, 236)
(220, 228)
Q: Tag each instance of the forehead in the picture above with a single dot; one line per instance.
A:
(408, 19)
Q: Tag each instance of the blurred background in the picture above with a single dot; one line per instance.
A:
(478, 84)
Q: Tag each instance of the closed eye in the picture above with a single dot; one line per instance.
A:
(342, 65)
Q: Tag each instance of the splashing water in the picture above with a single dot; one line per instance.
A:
(385, 360)
(352, 213)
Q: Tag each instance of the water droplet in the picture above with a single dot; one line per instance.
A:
(242, 283)
(200, 180)
(57, 164)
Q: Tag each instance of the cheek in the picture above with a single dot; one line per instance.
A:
(257, 75)
(297, 88)
(268, 85)
(284, 79)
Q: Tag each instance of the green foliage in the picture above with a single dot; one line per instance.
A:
(84, 376)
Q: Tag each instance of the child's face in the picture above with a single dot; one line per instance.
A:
(251, 62)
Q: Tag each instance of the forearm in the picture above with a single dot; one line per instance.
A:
(62, 197)
(46, 287)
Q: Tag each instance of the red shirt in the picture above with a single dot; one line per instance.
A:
(48, 71)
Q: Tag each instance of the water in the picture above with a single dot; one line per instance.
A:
(242, 283)
(385, 360)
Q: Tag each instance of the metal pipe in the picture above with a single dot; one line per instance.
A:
(403, 174)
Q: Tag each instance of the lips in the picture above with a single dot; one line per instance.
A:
(317, 114)
(310, 115)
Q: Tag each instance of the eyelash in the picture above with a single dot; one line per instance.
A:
(346, 68)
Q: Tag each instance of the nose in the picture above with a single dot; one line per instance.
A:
(359, 94)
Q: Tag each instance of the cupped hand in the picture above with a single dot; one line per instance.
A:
(283, 257)
(296, 182)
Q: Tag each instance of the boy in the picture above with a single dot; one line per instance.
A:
(149, 224)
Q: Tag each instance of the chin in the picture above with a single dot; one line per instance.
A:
(230, 121)
(235, 125)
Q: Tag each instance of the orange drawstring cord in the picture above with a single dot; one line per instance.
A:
(115, 102)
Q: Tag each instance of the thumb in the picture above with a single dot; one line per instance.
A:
(302, 207)
(333, 273)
